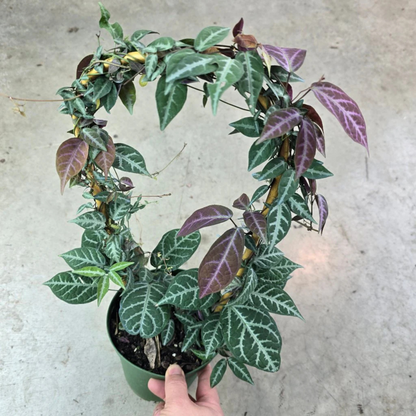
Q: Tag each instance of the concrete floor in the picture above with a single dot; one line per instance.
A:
(356, 353)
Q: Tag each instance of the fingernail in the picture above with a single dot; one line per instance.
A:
(174, 369)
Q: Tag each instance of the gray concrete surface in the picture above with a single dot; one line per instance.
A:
(355, 354)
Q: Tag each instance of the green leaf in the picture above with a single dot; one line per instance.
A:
(190, 65)
(114, 29)
(102, 86)
(240, 370)
(317, 171)
(94, 137)
(120, 266)
(186, 320)
(93, 239)
(203, 356)
(258, 193)
(128, 96)
(252, 336)
(211, 334)
(102, 288)
(183, 292)
(268, 257)
(120, 207)
(79, 106)
(139, 34)
(151, 64)
(88, 205)
(280, 74)
(113, 248)
(248, 126)
(287, 186)
(158, 45)
(90, 271)
(191, 337)
(139, 313)
(82, 257)
(299, 206)
(169, 105)
(74, 289)
(252, 80)
(145, 275)
(250, 283)
(93, 220)
(274, 300)
(173, 251)
(278, 222)
(228, 73)
(218, 372)
(210, 36)
(272, 169)
(168, 332)
(129, 160)
(116, 278)
(109, 100)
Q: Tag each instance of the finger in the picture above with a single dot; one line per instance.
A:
(158, 409)
(204, 392)
(157, 387)
(176, 389)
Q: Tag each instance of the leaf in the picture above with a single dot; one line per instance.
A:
(278, 273)
(238, 28)
(313, 115)
(145, 275)
(240, 370)
(71, 288)
(280, 74)
(109, 100)
(139, 34)
(105, 159)
(93, 137)
(211, 334)
(323, 211)
(183, 292)
(116, 278)
(305, 147)
(287, 186)
(280, 122)
(218, 372)
(252, 79)
(120, 207)
(290, 59)
(274, 168)
(159, 45)
(210, 36)
(168, 332)
(172, 251)
(139, 313)
(274, 300)
(102, 87)
(205, 217)
(113, 248)
(252, 336)
(248, 126)
(344, 108)
(243, 202)
(93, 239)
(278, 222)
(256, 223)
(250, 283)
(78, 258)
(259, 153)
(258, 193)
(93, 221)
(90, 271)
(317, 171)
(221, 263)
(169, 105)
(190, 65)
(191, 338)
(300, 207)
(120, 266)
(70, 159)
(88, 205)
(128, 95)
(268, 257)
(320, 141)
(102, 288)
(129, 160)
(186, 320)
(229, 71)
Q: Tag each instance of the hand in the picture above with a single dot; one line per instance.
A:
(174, 392)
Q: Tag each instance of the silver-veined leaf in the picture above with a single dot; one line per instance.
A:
(93, 239)
(250, 283)
(248, 126)
(105, 160)
(240, 370)
(305, 146)
(300, 207)
(272, 169)
(113, 248)
(93, 221)
(256, 223)
(190, 65)
(168, 332)
(102, 86)
(287, 186)
(259, 153)
(121, 266)
(90, 271)
(116, 278)
(317, 171)
(258, 193)
(102, 288)
(218, 372)
(191, 337)
(210, 36)
(95, 137)
(323, 211)
(129, 160)
(291, 59)
(243, 202)
(268, 257)
(278, 222)
(83, 257)
(120, 207)
(159, 45)
(211, 334)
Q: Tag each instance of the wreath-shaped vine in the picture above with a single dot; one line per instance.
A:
(225, 304)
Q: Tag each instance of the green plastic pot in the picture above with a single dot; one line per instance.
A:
(136, 377)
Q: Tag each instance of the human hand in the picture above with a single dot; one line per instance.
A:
(174, 392)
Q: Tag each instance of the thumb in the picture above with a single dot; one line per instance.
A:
(176, 388)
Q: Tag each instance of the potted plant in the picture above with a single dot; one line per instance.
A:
(162, 312)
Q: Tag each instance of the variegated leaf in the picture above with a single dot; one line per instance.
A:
(320, 141)
(305, 147)
(280, 122)
(190, 66)
(168, 332)
(74, 289)
(218, 372)
(191, 337)
(221, 263)
(278, 222)
(183, 292)
(248, 126)
(120, 207)
(300, 207)
(129, 160)
(121, 266)
(211, 334)
(116, 278)
(252, 336)
(159, 45)
(93, 220)
(290, 59)
(93, 239)
(344, 108)
(259, 153)
(240, 370)
(70, 159)
(243, 202)
(274, 168)
(278, 273)
(139, 313)
(90, 271)
(287, 186)
(268, 257)
(95, 137)
(210, 36)
(102, 288)
(83, 257)
(250, 283)
(113, 248)
(256, 223)
(205, 217)
(258, 193)
(106, 159)
(323, 211)
(317, 171)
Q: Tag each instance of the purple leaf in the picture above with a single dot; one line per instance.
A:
(303, 182)
(238, 28)
(279, 123)
(83, 64)
(70, 159)
(289, 90)
(305, 147)
(320, 140)
(126, 184)
(256, 223)
(344, 108)
(290, 59)
(313, 115)
(312, 184)
(242, 203)
(221, 263)
(204, 217)
(323, 211)
(106, 159)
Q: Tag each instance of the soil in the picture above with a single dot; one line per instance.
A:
(132, 348)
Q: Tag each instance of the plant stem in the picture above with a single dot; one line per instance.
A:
(160, 171)
(38, 101)
(151, 196)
